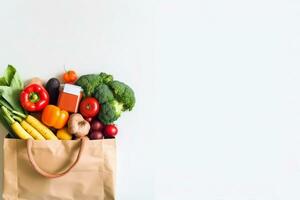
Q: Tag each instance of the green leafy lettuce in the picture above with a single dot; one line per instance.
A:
(11, 86)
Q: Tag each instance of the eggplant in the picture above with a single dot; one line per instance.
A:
(52, 88)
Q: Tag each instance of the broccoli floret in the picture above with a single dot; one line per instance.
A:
(115, 98)
(106, 78)
(110, 112)
(103, 94)
(90, 81)
(124, 94)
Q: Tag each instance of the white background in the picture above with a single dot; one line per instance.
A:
(217, 86)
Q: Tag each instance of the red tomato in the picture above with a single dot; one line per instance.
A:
(110, 130)
(89, 107)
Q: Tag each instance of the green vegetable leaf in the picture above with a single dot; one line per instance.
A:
(11, 86)
(9, 74)
(3, 81)
(11, 95)
(16, 81)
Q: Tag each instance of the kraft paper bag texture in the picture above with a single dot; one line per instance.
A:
(91, 178)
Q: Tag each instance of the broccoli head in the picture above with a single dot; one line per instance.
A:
(110, 112)
(106, 78)
(103, 94)
(115, 98)
(123, 93)
(90, 81)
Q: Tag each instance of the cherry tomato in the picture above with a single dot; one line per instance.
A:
(70, 77)
(110, 130)
(89, 107)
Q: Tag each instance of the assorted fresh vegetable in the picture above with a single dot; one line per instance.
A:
(114, 96)
(30, 129)
(44, 130)
(29, 124)
(16, 127)
(87, 106)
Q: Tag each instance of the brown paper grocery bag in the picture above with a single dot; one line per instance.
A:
(59, 170)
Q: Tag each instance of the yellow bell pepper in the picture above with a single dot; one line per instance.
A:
(63, 134)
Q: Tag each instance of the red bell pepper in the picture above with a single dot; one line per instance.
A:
(34, 98)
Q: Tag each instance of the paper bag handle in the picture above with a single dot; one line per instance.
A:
(47, 174)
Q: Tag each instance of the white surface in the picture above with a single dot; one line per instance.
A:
(229, 76)
(220, 78)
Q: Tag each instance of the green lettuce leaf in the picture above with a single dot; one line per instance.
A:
(8, 76)
(11, 86)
